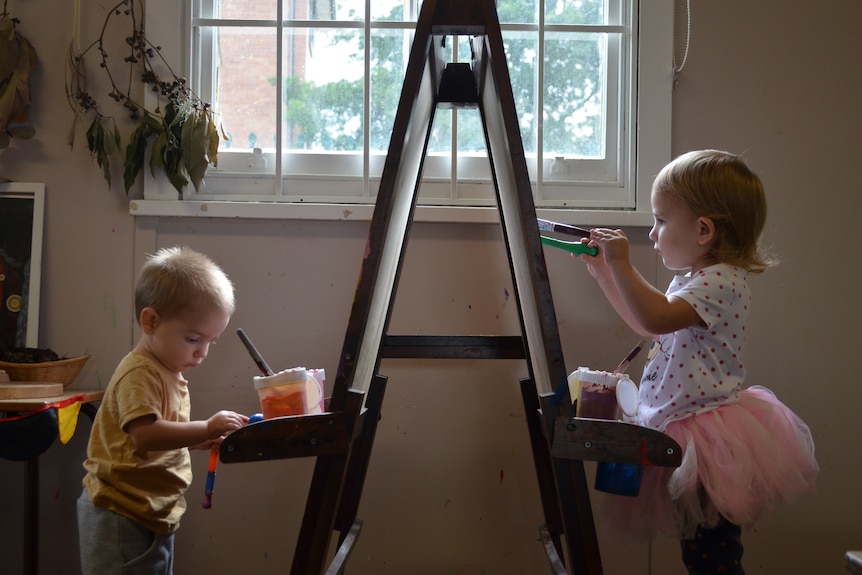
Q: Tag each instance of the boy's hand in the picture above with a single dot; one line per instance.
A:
(224, 422)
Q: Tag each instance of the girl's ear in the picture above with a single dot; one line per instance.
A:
(149, 319)
(705, 230)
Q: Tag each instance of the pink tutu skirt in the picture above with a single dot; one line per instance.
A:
(738, 461)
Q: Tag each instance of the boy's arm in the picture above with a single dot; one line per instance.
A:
(151, 434)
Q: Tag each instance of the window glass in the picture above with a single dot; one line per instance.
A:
(307, 92)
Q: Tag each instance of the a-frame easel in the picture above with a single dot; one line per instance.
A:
(342, 438)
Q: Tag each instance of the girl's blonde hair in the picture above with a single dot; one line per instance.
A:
(177, 279)
(720, 186)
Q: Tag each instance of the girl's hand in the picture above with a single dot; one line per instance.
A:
(613, 244)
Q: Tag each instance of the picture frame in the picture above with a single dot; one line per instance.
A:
(22, 211)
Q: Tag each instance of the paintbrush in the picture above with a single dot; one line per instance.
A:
(549, 226)
(211, 473)
(621, 368)
(255, 355)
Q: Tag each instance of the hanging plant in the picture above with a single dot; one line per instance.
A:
(17, 60)
(178, 131)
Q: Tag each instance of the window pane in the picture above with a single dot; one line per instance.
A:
(522, 55)
(583, 12)
(245, 93)
(517, 11)
(325, 10)
(390, 50)
(241, 9)
(394, 10)
(323, 87)
(574, 99)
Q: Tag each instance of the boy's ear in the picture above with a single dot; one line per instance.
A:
(706, 230)
(148, 319)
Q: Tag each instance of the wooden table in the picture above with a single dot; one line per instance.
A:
(35, 404)
(90, 400)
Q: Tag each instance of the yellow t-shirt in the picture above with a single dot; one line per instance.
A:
(146, 486)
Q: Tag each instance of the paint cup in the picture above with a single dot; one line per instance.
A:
(595, 393)
(288, 392)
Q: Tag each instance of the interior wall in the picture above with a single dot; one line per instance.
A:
(451, 486)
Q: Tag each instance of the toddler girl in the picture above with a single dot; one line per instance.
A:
(742, 448)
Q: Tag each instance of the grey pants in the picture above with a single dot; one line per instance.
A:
(111, 544)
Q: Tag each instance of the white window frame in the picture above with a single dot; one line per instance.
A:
(167, 25)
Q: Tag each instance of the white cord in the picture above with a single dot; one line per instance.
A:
(678, 68)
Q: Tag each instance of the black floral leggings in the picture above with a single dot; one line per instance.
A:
(714, 551)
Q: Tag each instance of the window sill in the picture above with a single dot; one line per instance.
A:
(349, 212)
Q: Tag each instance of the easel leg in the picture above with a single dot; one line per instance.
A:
(336, 486)
(360, 454)
(563, 488)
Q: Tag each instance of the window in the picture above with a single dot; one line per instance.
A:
(307, 92)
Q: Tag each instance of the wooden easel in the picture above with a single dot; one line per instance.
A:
(342, 438)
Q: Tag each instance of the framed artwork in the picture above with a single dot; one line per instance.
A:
(22, 208)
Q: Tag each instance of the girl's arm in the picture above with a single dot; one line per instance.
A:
(151, 434)
(600, 271)
(644, 308)
(656, 312)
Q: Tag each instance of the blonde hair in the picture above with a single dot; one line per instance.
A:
(177, 279)
(720, 186)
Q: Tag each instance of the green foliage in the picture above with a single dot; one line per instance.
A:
(571, 118)
(178, 132)
(17, 60)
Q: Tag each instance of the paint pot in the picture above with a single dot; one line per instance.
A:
(595, 392)
(296, 391)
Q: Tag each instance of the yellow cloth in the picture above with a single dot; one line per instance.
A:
(67, 417)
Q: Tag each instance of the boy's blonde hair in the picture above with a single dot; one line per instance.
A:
(177, 279)
(720, 186)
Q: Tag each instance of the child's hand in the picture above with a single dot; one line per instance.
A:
(224, 422)
(596, 265)
(613, 244)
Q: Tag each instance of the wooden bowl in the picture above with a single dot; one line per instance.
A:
(61, 371)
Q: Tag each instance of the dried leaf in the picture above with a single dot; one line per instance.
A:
(17, 59)
(135, 153)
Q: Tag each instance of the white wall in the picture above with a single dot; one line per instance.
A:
(772, 80)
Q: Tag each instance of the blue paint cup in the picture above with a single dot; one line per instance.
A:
(618, 478)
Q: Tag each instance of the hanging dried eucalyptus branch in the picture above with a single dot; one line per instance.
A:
(179, 130)
(17, 60)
